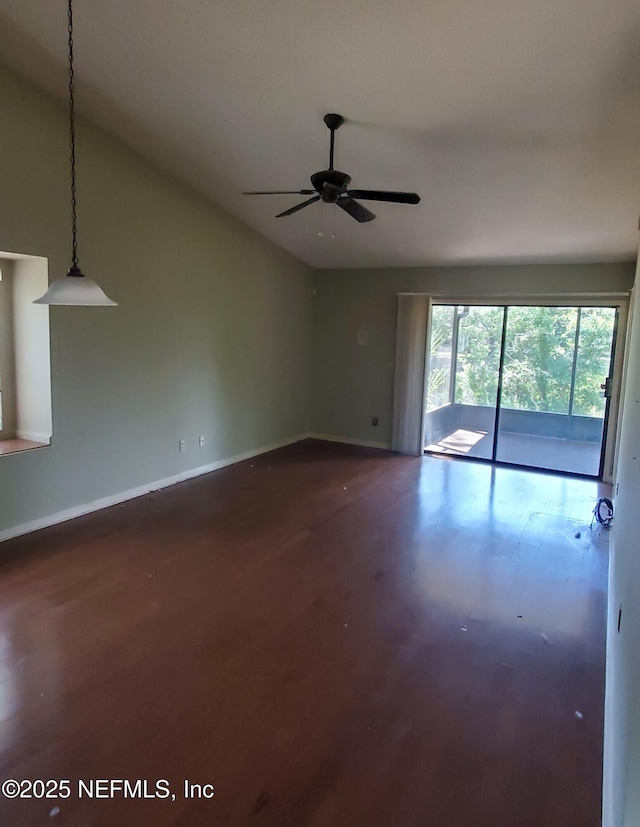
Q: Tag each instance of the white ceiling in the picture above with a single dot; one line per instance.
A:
(517, 122)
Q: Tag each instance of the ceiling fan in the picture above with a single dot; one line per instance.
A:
(332, 187)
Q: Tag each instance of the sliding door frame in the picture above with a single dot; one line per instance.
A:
(496, 419)
(619, 301)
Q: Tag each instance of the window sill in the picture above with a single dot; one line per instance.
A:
(15, 446)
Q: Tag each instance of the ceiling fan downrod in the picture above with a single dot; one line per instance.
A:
(334, 122)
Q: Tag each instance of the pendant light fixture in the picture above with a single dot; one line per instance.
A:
(74, 288)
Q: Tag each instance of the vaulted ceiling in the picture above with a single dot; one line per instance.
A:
(518, 123)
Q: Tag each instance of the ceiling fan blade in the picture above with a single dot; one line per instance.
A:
(282, 192)
(355, 210)
(298, 207)
(381, 195)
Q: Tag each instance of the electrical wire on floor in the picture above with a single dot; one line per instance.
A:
(603, 512)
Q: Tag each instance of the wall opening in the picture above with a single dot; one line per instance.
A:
(25, 362)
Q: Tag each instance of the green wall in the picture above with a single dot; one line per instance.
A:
(212, 335)
(352, 383)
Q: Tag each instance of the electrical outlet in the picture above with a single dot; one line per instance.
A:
(374, 420)
(201, 441)
(181, 445)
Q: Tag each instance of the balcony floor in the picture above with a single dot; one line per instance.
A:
(573, 456)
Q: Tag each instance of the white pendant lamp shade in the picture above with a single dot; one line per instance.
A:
(76, 289)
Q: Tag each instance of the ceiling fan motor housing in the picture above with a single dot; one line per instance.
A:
(337, 182)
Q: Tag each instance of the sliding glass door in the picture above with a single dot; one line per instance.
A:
(519, 384)
(462, 381)
(553, 405)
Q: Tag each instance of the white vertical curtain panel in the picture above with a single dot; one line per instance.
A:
(414, 312)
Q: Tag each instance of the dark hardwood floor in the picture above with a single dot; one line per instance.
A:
(330, 636)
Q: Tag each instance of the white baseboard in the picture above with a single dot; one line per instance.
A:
(33, 436)
(365, 443)
(132, 493)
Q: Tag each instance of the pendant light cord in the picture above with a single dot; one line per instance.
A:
(72, 144)
(77, 291)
